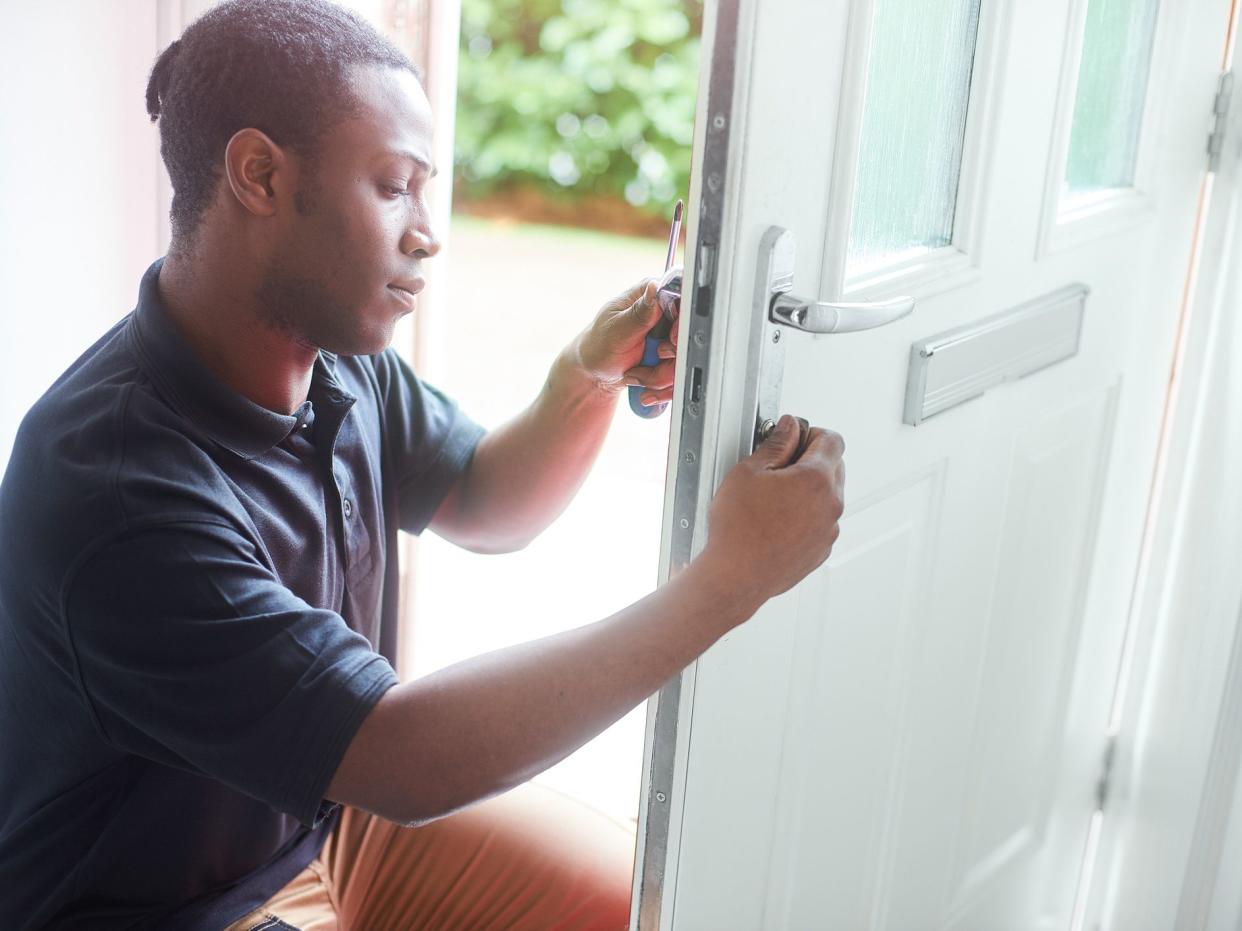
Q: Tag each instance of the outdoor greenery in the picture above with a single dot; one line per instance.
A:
(578, 99)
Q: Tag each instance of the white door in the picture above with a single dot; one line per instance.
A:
(913, 737)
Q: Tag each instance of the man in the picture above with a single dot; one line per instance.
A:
(198, 591)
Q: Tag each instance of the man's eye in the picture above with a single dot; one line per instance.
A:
(394, 190)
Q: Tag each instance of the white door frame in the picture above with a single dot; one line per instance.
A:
(1176, 786)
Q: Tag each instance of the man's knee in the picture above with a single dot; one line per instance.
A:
(533, 858)
(571, 864)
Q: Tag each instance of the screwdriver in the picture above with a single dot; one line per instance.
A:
(668, 295)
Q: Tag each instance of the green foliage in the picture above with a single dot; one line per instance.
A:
(578, 97)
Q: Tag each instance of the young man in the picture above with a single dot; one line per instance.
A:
(198, 591)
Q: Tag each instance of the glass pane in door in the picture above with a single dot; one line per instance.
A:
(1112, 88)
(913, 130)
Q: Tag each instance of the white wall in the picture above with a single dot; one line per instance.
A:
(79, 181)
(83, 193)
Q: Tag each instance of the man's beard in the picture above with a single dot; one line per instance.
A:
(305, 309)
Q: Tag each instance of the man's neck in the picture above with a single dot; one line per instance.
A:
(218, 315)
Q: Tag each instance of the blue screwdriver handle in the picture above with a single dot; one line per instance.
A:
(668, 294)
(651, 356)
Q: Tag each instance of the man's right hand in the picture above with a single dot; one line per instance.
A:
(435, 744)
(775, 516)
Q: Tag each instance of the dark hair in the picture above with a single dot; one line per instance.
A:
(279, 66)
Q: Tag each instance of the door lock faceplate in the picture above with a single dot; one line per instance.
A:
(775, 308)
(773, 278)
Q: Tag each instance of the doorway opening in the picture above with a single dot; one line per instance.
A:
(574, 123)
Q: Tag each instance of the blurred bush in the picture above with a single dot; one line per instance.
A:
(577, 101)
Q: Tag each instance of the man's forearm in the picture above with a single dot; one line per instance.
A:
(526, 471)
(487, 724)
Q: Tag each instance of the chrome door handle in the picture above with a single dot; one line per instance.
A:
(827, 317)
(775, 308)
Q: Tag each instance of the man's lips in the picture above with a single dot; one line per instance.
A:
(405, 290)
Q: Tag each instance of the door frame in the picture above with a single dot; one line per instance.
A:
(1174, 826)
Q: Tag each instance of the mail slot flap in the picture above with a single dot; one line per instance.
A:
(963, 363)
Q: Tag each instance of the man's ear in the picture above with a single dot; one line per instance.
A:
(255, 167)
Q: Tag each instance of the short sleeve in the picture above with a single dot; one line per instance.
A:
(191, 653)
(430, 440)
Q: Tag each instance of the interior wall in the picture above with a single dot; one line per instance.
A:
(86, 196)
(79, 170)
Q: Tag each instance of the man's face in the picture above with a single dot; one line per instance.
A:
(345, 264)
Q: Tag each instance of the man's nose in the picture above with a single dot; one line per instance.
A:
(419, 242)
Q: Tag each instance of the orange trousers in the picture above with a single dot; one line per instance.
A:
(530, 859)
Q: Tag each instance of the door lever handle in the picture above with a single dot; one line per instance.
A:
(827, 317)
(775, 307)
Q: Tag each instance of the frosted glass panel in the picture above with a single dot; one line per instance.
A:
(1112, 86)
(913, 126)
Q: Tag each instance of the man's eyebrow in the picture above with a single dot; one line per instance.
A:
(416, 159)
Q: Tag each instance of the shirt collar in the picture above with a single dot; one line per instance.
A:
(235, 422)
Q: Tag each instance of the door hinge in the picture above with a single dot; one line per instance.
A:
(1220, 115)
(1104, 785)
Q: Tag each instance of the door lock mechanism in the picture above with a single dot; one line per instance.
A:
(766, 366)
(775, 309)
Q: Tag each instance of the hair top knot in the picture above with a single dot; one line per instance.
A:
(161, 74)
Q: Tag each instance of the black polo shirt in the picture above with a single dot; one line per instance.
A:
(198, 606)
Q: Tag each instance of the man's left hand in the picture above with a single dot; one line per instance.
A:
(610, 350)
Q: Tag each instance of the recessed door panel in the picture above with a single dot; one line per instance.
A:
(1031, 642)
(850, 688)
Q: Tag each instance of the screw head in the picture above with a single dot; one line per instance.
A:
(689, 456)
(661, 797)
(694, 408)
(776, 336)
(684, 524)
(700, 338)
(718, 121)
